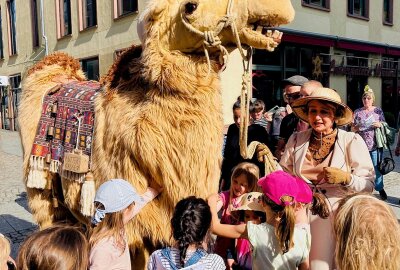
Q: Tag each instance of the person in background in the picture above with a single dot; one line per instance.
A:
(257, 113)
(366, 120)
(333, 162)
(232, 155)
(190, 225)
(397, 150)
(60, 247)
(291, 92)
(367, 234)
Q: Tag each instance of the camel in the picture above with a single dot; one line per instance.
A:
(159, 112)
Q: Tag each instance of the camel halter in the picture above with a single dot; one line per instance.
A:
(212, 40)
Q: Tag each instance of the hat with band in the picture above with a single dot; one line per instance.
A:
(250, 201)
(299, 106)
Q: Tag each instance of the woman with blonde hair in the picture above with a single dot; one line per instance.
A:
(366, 120)
(367, 234)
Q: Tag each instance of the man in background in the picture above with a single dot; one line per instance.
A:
(295, 87)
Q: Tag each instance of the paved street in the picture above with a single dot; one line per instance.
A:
(16, 222)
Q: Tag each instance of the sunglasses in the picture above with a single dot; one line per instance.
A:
(293, 96)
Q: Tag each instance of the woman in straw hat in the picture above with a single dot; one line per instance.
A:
(332, 161)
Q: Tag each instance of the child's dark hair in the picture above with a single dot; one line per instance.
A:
(190, 223)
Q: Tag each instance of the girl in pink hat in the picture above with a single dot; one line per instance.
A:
(276, 243)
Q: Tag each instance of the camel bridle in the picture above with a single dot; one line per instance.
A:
(211, 39)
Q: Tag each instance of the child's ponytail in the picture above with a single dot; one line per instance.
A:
(285, 225)
(319, 206)
(285, 229)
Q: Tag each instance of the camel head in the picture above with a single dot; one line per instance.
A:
(180, 25)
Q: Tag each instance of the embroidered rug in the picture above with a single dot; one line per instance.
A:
(59, 128)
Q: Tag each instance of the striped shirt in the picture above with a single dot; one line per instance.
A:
(210, 261)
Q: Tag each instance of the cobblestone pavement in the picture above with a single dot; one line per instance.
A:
(16, 221)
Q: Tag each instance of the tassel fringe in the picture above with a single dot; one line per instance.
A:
(37, 175)
(88, 193)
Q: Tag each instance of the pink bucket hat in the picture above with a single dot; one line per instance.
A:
(305, 194)
(278, 184)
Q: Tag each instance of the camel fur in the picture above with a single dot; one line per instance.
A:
(159, 116)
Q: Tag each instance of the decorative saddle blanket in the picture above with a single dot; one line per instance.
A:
(66, 125)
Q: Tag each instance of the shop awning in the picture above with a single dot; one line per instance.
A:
(365, 47)
(308, 40)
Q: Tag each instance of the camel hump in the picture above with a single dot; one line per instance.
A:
(120, 68)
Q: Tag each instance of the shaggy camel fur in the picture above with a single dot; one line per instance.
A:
(159, 117)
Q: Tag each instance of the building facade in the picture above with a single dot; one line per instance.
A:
(92, 31)
(344, 44)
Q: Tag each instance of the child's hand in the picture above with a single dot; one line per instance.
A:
(230, 263)
(154, 185)
(212, 202)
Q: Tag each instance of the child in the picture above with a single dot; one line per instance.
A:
(190, 224)
(250, 210)
(277, 243)
(59, 247)
(244, 178)
(367, 234)
(6, 262)
(116, 203)
(257, 114)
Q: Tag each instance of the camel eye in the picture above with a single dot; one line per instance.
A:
(190, 7)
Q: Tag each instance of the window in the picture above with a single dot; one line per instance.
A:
(319, 4)
(358, 8)
(124, 7)
(35, 27)
(87, 14)
(63, 18)
(91, 68)
(1, 37)
(12, 30)
(388, 12)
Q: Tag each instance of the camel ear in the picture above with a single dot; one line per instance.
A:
(150, 14)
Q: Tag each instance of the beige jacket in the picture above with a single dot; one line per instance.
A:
(349, 148)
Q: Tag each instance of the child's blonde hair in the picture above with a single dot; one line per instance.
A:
(286, 219)
(5, 249)
(59, 247)
(362, 238)
(111, 226)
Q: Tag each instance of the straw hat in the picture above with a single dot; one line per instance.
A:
(250, 201)
(299, 106)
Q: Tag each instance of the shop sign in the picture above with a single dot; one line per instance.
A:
(376, 71)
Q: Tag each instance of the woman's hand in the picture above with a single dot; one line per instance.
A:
(376, 124)
(336, 176)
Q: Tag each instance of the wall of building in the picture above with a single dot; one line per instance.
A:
(337, 23)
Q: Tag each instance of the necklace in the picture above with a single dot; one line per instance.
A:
(321, 145)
